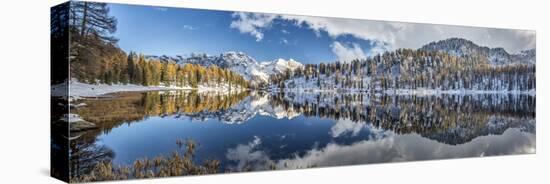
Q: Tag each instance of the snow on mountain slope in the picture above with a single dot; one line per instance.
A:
(248, 67)
(280, 65)
(249, 107)
(528, 56)
(258, 73)
(496, 56)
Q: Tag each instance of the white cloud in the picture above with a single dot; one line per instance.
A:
(411, 147)
(248, 156)
(397, 34)
(189, 27)
(378, 48)
(285, 31)
(384, 147)
(252, 23)
(358, 28)
(346, 125)
(346, 54)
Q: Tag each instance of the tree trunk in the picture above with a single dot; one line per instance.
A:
(84, 17)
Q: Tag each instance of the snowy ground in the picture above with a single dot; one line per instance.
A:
(419, 92)
(223, 88)
(301, 85)
(531, 92)
(78, 89)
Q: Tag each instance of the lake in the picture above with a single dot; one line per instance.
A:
(253, 130)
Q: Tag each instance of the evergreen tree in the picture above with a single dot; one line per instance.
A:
(93, 18)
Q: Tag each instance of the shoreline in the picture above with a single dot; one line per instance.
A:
(531, 92)
(77, 89)
(82, 90)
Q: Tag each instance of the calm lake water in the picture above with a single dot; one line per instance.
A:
(259, 131)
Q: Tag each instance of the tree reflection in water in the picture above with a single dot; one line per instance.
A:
(452, 119)
(402, 127)
(85, 155)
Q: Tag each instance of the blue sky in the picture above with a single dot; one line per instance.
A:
(175, 31)
(178, 31)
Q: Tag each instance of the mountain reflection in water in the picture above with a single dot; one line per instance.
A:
(251, 131)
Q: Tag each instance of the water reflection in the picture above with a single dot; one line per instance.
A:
(85, 155)
(410, 147)
(452, 119)
(251, 131)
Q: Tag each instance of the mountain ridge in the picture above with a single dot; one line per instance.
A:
(260, 72)
(256, 72)
(496, 56)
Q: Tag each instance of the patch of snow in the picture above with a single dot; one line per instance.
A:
(71, 118)
(77, 89)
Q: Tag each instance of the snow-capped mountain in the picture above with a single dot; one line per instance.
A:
(281, 65)
(527, 55)
(255, 104)
(248, 67)
(265, 69)
(165, 58)
(496, 56)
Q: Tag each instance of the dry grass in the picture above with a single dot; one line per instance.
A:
(178, 163)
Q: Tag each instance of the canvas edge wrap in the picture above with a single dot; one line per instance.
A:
(59, 75)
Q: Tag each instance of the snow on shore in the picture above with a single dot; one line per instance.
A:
(421, 92)
(79, 89)
(418, 92)
(223, 88)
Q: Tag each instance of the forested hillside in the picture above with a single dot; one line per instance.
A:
(412, 69)
(96, 58)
